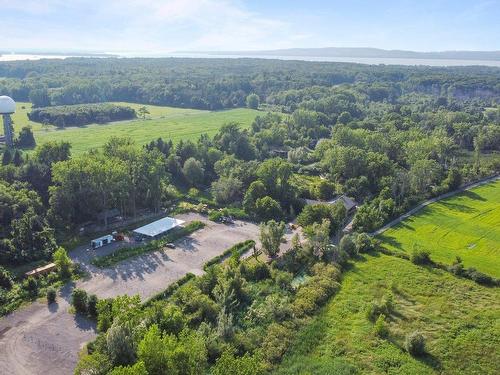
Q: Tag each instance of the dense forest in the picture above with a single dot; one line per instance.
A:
(387, 136)
(77, 115)
(222, 83)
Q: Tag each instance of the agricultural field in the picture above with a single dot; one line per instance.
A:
(459, 319)
(466, 225)
(166, 122)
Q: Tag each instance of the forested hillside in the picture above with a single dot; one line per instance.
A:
(222, 83)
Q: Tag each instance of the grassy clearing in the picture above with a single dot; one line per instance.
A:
(466, 225)
(165, 122)
(122, 254)
(459, 319)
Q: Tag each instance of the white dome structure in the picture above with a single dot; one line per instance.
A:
(7, 105)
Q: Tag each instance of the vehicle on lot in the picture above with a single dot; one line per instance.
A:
(227, 220)
(118, 236)
(170, 245)
(101, 241)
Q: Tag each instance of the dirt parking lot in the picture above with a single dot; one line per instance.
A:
(41, 339)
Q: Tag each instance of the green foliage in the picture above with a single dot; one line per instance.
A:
(268, 209)
(421, 257)
(380, 328)
(239, 249)
(26, 138)
(51, 295)
(5, 278)
(193, 171)
(252, 101)
(415, 344)
(92, 302)
(316, 213)
(95, 364)
(271, 236)
(137, 369)
(63, 262)
(79, 300)
(120, 344)
(229, 364)
(122, 254)
(78, 115)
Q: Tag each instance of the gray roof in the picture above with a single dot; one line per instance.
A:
(159, 226)
(349, 204)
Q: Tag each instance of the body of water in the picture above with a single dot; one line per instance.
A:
(359, 60)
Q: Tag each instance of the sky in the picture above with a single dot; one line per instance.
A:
(162, 26)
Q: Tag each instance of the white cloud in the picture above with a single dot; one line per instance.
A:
(140, 25)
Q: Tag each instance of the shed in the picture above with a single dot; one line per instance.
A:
(349, 204)
(158, 227)
(41, 270)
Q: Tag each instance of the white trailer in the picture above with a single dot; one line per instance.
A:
(101, 241)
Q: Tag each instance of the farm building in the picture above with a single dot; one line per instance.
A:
(157, 228)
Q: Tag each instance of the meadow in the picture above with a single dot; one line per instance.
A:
(466, 225)
(166, 122)
(459, 319)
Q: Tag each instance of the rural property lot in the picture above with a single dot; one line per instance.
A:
(46, 340)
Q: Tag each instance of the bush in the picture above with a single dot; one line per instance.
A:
(421, 257)
(384, 307)
(255, 272)
(51, 295)
(79, 300)
(380, 329)
(31, 286)
(92, 306)
(5, 278)
(415, 344)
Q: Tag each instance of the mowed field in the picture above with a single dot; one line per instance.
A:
(166, 122)
(465, 225)
(459, 318)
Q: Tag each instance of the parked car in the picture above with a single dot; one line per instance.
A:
(170, 245)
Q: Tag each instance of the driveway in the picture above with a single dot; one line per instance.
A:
(41, 339)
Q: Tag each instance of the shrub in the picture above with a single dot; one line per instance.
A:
(384, 307)
(31, 286)
(51, 295)
(92, 306)
(79, 300)
(421, 257)
(5, 278)
(479, 277)
(63, 262)
(348, 246)
(415, 344)
(380, 329)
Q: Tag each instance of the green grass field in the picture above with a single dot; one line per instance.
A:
(460, 320)
(165, 122)
(467, 225)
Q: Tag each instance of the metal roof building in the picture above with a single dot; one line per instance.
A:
(158, 227)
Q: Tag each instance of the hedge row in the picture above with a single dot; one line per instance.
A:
(240, 249)
(122, 254)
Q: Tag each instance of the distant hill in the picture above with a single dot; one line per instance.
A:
(367, 52)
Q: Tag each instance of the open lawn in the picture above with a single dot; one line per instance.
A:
(165, 122)
(460, 320)
(467, 225)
